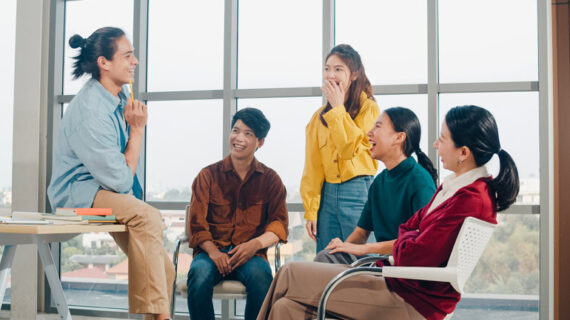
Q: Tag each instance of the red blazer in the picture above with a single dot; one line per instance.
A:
(427, 240)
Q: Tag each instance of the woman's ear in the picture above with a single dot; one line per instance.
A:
(464, 153)
(354, 75)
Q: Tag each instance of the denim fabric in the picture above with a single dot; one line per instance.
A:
(341, 206)
(203, 277)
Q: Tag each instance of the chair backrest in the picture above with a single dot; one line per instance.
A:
(468, 248)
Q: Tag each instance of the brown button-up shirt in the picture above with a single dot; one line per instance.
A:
(226, 210)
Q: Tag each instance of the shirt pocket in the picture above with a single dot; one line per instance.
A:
(219, 212)
(322, 137)
(254, 212)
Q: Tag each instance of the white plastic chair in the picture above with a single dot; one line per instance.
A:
(227, 290)
(469, 245)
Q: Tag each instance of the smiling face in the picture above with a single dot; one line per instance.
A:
(243, 141)
(385, 141)
(121, 69)
(336, 70)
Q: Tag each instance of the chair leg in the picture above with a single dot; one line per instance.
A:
(175, 262)
(225, 309)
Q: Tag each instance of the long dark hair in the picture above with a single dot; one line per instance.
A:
(99, 43)
(475, 128)
(351, 58)
(405, 120)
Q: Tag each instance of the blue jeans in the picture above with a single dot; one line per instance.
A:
(204, 275)
(340, 210)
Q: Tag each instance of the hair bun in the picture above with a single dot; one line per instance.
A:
(77, 41)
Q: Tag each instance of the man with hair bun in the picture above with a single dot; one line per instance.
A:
(96, 164)
(237, 211)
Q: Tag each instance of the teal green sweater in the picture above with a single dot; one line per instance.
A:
(394, 196)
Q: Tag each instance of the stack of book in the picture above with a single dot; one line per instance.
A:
(89, 215)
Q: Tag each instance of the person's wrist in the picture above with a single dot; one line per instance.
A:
(137, 130)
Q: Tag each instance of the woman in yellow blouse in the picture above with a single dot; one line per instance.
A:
(338, 166)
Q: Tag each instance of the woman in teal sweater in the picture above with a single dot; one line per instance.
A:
(404, 187)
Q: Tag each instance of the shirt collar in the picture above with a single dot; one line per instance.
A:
(227, 165)
(112, 102)
(453, 182)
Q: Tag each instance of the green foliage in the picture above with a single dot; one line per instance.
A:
(510, 263)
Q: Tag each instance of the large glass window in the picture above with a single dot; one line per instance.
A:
(182, 138)
(8, 27)
(391, 37)
(488, 41)
(280, 45)
(83, 18)
(188, 56)
(274, 49)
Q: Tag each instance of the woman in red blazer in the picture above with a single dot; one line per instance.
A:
(469, 138)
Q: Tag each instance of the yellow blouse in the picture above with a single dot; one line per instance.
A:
(337, 153)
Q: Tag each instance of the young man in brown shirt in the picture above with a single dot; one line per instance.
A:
(237, 211)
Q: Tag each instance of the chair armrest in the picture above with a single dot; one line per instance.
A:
(377, 271)
(277, 256)
(369, 260)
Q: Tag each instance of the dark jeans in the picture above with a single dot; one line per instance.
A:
(204, 276)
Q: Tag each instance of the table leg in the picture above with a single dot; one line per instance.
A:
(5, 267)
(53, 280)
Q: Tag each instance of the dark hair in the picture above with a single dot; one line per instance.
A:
(99, 43)
(361, 84)
(405, 120)
(254, 119)
(475, 128)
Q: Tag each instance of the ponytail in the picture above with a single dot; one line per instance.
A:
(476, 128)
(506, 185)
(99, 43)
(426, 163)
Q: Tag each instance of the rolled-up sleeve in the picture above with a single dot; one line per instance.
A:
(278, 216)
(95, 144)
(197, 223)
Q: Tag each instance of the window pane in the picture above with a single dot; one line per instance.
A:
(274, 49)
(8, 27)
(478, 44)
(284, 148)
(94, 272)
(517, 118)
(83, 18)
(190, 56)
(182, 138)
(391, 37)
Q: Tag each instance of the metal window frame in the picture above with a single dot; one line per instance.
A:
(230, 93)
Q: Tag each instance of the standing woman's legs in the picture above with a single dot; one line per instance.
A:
(328, 225)
(352, 196)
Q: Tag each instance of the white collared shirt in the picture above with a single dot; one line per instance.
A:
(452, 183)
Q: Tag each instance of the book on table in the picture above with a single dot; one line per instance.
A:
(83, 211)
(63, 219)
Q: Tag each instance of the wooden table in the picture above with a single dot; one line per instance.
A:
(11, 235)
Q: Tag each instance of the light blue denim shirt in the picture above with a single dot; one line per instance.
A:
(89, 149)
